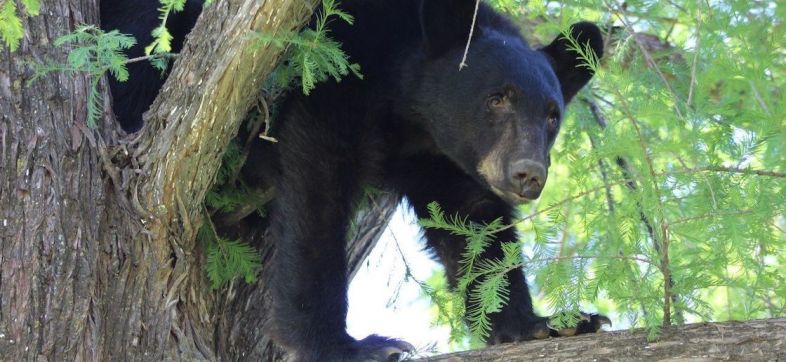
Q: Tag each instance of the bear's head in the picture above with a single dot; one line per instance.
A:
(497, 118)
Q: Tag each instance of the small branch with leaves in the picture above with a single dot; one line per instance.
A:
(95, 52)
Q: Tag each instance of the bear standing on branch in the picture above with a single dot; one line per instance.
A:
(476, 140)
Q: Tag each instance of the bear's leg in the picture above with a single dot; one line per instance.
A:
(458, 194)
(315, 187)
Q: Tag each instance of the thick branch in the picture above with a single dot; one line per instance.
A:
(761, 340)
(215, 80)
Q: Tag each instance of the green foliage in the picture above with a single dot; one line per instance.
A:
(162, 39)
(228, 259)
(33, 7)
(483, 280)
(448, 307)
(313, 56)
(229, 192)
(508, 6)
(10, 25)
(93, 52)
(584, 51)
(665, 197)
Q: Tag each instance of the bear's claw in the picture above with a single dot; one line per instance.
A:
(587, 323)
(541, 328)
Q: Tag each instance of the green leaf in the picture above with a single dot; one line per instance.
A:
(313, 56)
(31, 6)
(79, 57)
(228, 259)
(10, 26)
(162, 41)
(93, 52)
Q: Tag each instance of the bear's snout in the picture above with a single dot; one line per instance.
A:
(527, 178)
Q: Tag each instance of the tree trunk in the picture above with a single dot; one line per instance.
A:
(98, 259)
(762, 340)
(52, 195)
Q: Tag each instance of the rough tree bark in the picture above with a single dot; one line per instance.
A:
(763, 340)
(97, 255)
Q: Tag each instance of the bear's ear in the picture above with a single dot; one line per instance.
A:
(445, 24)
(569, 66)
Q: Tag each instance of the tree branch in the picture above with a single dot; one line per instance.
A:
(215, 80)
(762, 340)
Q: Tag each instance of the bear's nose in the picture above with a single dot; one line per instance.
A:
(528, 177)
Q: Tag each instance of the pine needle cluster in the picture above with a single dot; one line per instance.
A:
(93, 52)
(11, 30)
(228, 259)
(162, 38)
(313, 56)
(482, 280)
(229, 191)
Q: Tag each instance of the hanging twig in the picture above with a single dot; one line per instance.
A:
(463, 63)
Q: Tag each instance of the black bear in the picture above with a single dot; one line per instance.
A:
(475, 139)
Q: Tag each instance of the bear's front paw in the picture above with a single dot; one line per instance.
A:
(540, 328)
(587, 323)
(380, 349)
(373, 348)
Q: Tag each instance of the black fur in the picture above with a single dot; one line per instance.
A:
(475, 140)
(133, 97)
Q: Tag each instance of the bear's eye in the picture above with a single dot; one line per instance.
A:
(495, 101)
